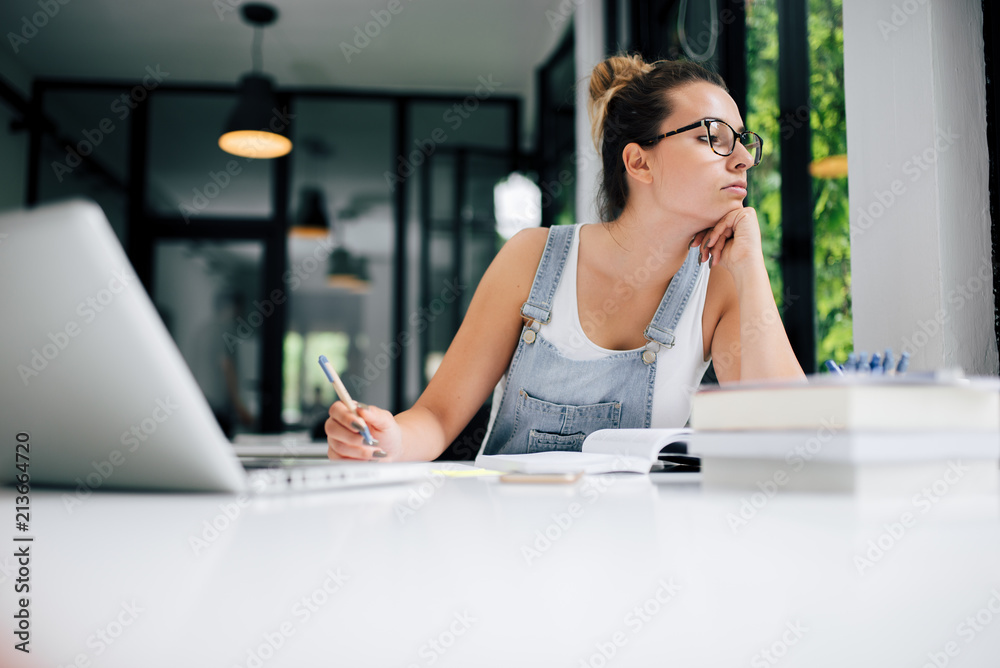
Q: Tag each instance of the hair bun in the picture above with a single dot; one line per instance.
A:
(609, 77)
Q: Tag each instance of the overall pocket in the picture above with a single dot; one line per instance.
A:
(548, 426)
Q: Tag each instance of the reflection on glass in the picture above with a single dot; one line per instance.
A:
(340, 254)
(208, 294)
(94, 162)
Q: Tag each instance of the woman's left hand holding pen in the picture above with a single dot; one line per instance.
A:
(343, 433)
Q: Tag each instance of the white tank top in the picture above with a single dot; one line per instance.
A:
(679, 370)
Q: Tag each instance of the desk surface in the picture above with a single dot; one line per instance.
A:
(612, 571)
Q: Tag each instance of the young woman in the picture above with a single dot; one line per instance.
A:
(611, 324)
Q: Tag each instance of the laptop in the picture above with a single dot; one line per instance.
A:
(93, 389)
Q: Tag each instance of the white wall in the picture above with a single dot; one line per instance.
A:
(918, 169)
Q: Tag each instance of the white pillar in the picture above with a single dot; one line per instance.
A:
(588, 51)
(918, 176)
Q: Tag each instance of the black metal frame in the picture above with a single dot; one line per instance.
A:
(797, 256)
(551, 113)
(991, 52)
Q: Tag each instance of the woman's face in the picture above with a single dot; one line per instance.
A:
(690, 180)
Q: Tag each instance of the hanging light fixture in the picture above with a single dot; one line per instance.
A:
(312, 221)
(348, 271)
(255, 129)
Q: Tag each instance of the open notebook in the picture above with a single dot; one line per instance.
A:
(92, 382)
(603, 451)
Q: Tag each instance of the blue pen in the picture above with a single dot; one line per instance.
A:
(833, 368)
(876, 364)
(863, 362)
(888, 363)
(338, 385)
(904, 362)
(851, 365)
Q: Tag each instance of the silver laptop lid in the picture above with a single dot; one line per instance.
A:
(88, 371)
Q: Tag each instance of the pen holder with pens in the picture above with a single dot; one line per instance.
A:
(860, 363)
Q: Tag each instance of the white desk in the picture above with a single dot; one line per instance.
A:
(653, 573)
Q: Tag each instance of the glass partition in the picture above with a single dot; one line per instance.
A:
(340, 255)
(189, 176)
(90, 157)
(209, 294)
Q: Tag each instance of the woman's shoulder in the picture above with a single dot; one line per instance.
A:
(524, 250)
(512, 271)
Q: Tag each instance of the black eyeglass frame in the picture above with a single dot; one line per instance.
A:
(704, 123)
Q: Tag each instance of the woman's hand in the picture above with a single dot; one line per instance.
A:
(733, 242)
(343, 433)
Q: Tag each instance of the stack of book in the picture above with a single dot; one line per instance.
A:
(850, 433)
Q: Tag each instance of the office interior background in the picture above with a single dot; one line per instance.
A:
(423, 135)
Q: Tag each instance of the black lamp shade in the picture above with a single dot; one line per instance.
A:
(256, 129)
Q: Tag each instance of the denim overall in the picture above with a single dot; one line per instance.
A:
(551, 402)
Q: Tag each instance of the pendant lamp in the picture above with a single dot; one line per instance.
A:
(256, 129)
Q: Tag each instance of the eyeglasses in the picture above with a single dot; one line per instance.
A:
(722, 138)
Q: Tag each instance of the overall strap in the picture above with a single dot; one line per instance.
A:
(660, 332)
(550, 268)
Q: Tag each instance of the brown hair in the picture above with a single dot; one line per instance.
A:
(628, 101)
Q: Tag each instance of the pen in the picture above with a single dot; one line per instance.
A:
(833, 368)
(338, 385)
(876, 363)
(851, 365)
(904, 361)
(888, 363)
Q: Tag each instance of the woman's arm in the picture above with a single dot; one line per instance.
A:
(750, 342)
(476, 359)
